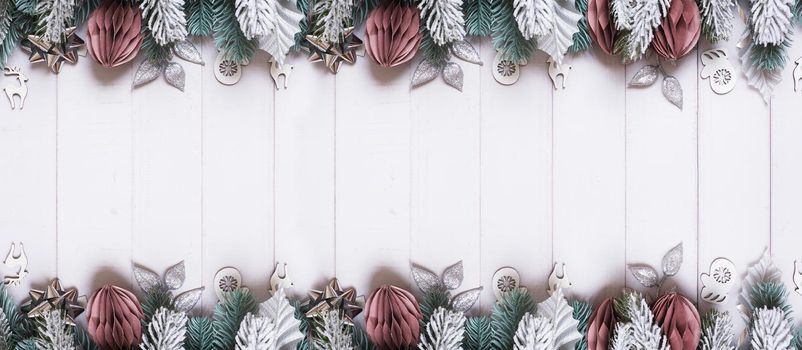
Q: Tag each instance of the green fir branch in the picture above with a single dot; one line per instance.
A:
(157, 297)
(20, 326)
(361, 10)
(770, 57)
(200, 334)
(28, 7)
(83, 341)
(582, 40)
(478, 333)
(27, 344)
(304, 327)
(153, 51)
(507, 313)
(432, 52)
(228, 37)
(478, 17)
(770, 295)
(228, 314)
(83, 9)
(21, 24)
(434, 298)
(582, 312)
(200, 17)
(507, 39)
(361, 340)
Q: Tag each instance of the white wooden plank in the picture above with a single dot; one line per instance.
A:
(304, 175)
(94, 175)
(237, 175)
(166, 203)
(372, 175)
(445, 171)
(661, 174)
(516, 176)
(28, 175)
(589, 176)
(734, 175)
(786, 170)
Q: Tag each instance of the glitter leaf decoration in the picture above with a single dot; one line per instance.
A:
(646, 275)
(175, 76)
(452, 74)
(564, 326)
(145, 278)
(672, 261)
(424, 279)
(672, 90)
(425, 72)
(463, 302)
(147, 72)
(175, 275)
(466, 52)
(646, 76)
(188, 52)
(187, 300)
(453, 275)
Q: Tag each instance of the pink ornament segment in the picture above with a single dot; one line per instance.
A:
(114, 318)
(392, 34)
(392, 318)
(600, 23)
(601, 326)
(679, 32)
(114, 33)
(679, 320)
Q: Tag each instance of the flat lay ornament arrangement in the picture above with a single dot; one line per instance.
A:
(438, 315)
(428, 34)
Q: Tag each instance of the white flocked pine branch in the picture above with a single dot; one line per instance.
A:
(534, 333)
(771, 330)
(5, 18)
(254, 16)
(640, 333)
(717, 19)
(255, 333)
(55, 17)
(533, 17)
(338, 16)
(646, 16)
(444, 331)
(444, 20)
(165, 19)
(166, 331)
(717, 334)
(772, 20)
(55, 333)
(333, 333)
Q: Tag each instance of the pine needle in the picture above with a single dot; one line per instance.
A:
(582, 312)
(228, 314)
(507, 313)
(478, 333)
(200, 334)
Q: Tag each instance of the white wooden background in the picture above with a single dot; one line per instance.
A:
(355, 176)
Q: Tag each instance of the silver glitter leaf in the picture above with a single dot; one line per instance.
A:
(466, 52)
(146, 279)
(424, 279)
(672, 261)
(453, 275)
(187, 300)
(672, 91)
(175, 275)
(463, 302)
(452, 74)
(425, 72)
(646, 76)
(646, 275)
(147, 72)
(187, 51)
(174, 74)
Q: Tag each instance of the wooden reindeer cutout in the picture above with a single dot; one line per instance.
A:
(558, 69)
(277, 70)
(278, 280)
(19, 261)
(797, 73)
(20, 90)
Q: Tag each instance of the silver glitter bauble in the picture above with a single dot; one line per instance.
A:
(452, 74)
(672, 90)
(646, 76)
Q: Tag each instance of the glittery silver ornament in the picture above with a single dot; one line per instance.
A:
(453, 275)
(187, 300)
(452, 74)
(672, 90)
(147, 72)
(146, 279)
(646, 275)
(425, 72)
(463, 302)
(466, 52)
(646, 76)
(175, 76)
(188, 52)
(175, 275)
(672, 261)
